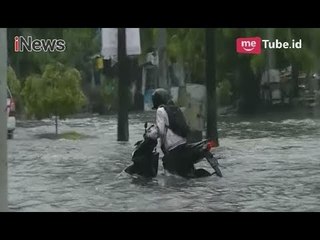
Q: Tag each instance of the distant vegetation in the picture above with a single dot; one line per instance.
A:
(56, 92)
(238, 76)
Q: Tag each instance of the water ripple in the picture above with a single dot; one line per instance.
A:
(269, 165)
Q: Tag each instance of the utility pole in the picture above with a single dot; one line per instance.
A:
(270, 53)
(162, 46)
(270, 59)
(123, 87)
(212, 132)
(3, 122)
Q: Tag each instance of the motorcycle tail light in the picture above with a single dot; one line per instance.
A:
(211, 144)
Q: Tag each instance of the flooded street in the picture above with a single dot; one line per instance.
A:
(269, 164)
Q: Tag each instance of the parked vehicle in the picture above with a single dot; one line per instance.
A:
(11, 110)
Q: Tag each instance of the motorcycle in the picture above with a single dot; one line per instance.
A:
(204, 148)
(145, 157)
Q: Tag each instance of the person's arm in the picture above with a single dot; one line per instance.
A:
(159, 131)
(161, 121)
(152, 132)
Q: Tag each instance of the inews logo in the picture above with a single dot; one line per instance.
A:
(253, 45)
(29, 44)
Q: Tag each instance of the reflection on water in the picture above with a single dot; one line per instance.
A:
(270, 164)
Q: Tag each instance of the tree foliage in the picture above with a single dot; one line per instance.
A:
(13, 82)
(56, 92)
(14, 85)
(185, 45)
(81, 43)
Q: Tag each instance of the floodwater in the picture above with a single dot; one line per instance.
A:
(270, 163)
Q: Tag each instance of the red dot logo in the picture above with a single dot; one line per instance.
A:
(250, 45)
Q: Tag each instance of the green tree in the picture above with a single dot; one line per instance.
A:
(13, 83)
(81, 43)
(224, 93)
(305, 59)
(187, 46)
(15, 87)
(56, 92)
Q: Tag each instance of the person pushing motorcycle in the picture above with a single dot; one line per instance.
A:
(172, 129)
